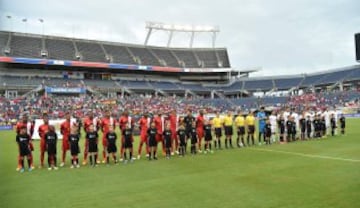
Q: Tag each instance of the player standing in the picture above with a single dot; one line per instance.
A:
(144, 124)
(111, 138)
(188, 120)
(250, 124)
(200, 127)
(261, 116)
(23, 141)
(128, 143)
(74, 139)
(90, 120)
(174, 119)
(167, 140)
(106, 122)
(240, 126)
(228, 127)
(281, 124)
(92, 137)
(124, 121)
(43, 129)
(29, 126)
(342, 124)
(65, 131)
(273, 123)
(51, 146)
(152, 132)
(159, 125)
(208, 137)
(217, 124)
(181, 133)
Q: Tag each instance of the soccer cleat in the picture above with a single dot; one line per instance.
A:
(212, 152)
(55, 168)
(172, 153)
(41, 166)
(98, 162)
(18, 168)
(155, 158)
(49, 168)
(121, 159)
(103, 162)
(62, 164)
(138, 157)
(84, 162)
(72, 166)
(201, 151)
(177, 152)
(22, 170)
(77, 166)
(30, 169)
(125, 162)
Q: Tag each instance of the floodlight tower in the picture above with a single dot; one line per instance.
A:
(172, 28)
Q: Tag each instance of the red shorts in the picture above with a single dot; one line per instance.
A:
(143, 138)
(65, 145)
(42, 145)
(200, 133)
(104, 142)
(173, 135)
(31, 146)
(159, 138)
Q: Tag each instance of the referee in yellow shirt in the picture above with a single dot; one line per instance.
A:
(240, 126)
(217, 123)
(250, 124)
(228, 126)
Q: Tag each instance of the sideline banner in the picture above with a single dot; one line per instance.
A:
(6, 127)
(56, 123)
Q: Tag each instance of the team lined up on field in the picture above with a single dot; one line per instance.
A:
(173, 132)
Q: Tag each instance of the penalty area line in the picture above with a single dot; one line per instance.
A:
(307, 155)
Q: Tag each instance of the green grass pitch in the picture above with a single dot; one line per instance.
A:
(321, 173)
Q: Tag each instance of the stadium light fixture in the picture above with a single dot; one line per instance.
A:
(153, 26)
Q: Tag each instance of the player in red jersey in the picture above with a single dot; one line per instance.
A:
(43, 129)
(65, 128)
(200, 120)
(29, 126)
(173, 120)
(89, 120)
(159, 125)
(106, 122)
(144, 124)
(124, 121)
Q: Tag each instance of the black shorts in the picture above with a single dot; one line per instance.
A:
(218, 132)
(228, 130)
(74, 149)
(303, 130)
(241, 130)
(51, 149)
(268, 134)
(188, 133)
(152, 142)
(93, 147)
(251, 129)
(128, 143)
(193, 140)
(24, 151)
(208, 137)
(167, 143)
(282, 130)
(111, 148)
(182, 142)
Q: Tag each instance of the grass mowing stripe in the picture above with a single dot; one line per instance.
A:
(307, 155)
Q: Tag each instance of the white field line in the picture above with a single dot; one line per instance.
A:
(306, 155)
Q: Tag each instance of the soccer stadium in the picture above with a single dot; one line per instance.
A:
(94, 122)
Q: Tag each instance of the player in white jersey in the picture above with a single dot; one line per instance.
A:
(273, 123)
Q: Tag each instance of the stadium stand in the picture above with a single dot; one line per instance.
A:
(22, 46)
(60, 49)
(119, 54)
(91, 51)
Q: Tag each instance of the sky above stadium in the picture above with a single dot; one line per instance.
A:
(281, 37)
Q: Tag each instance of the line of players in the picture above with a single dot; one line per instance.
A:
(172, 131)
